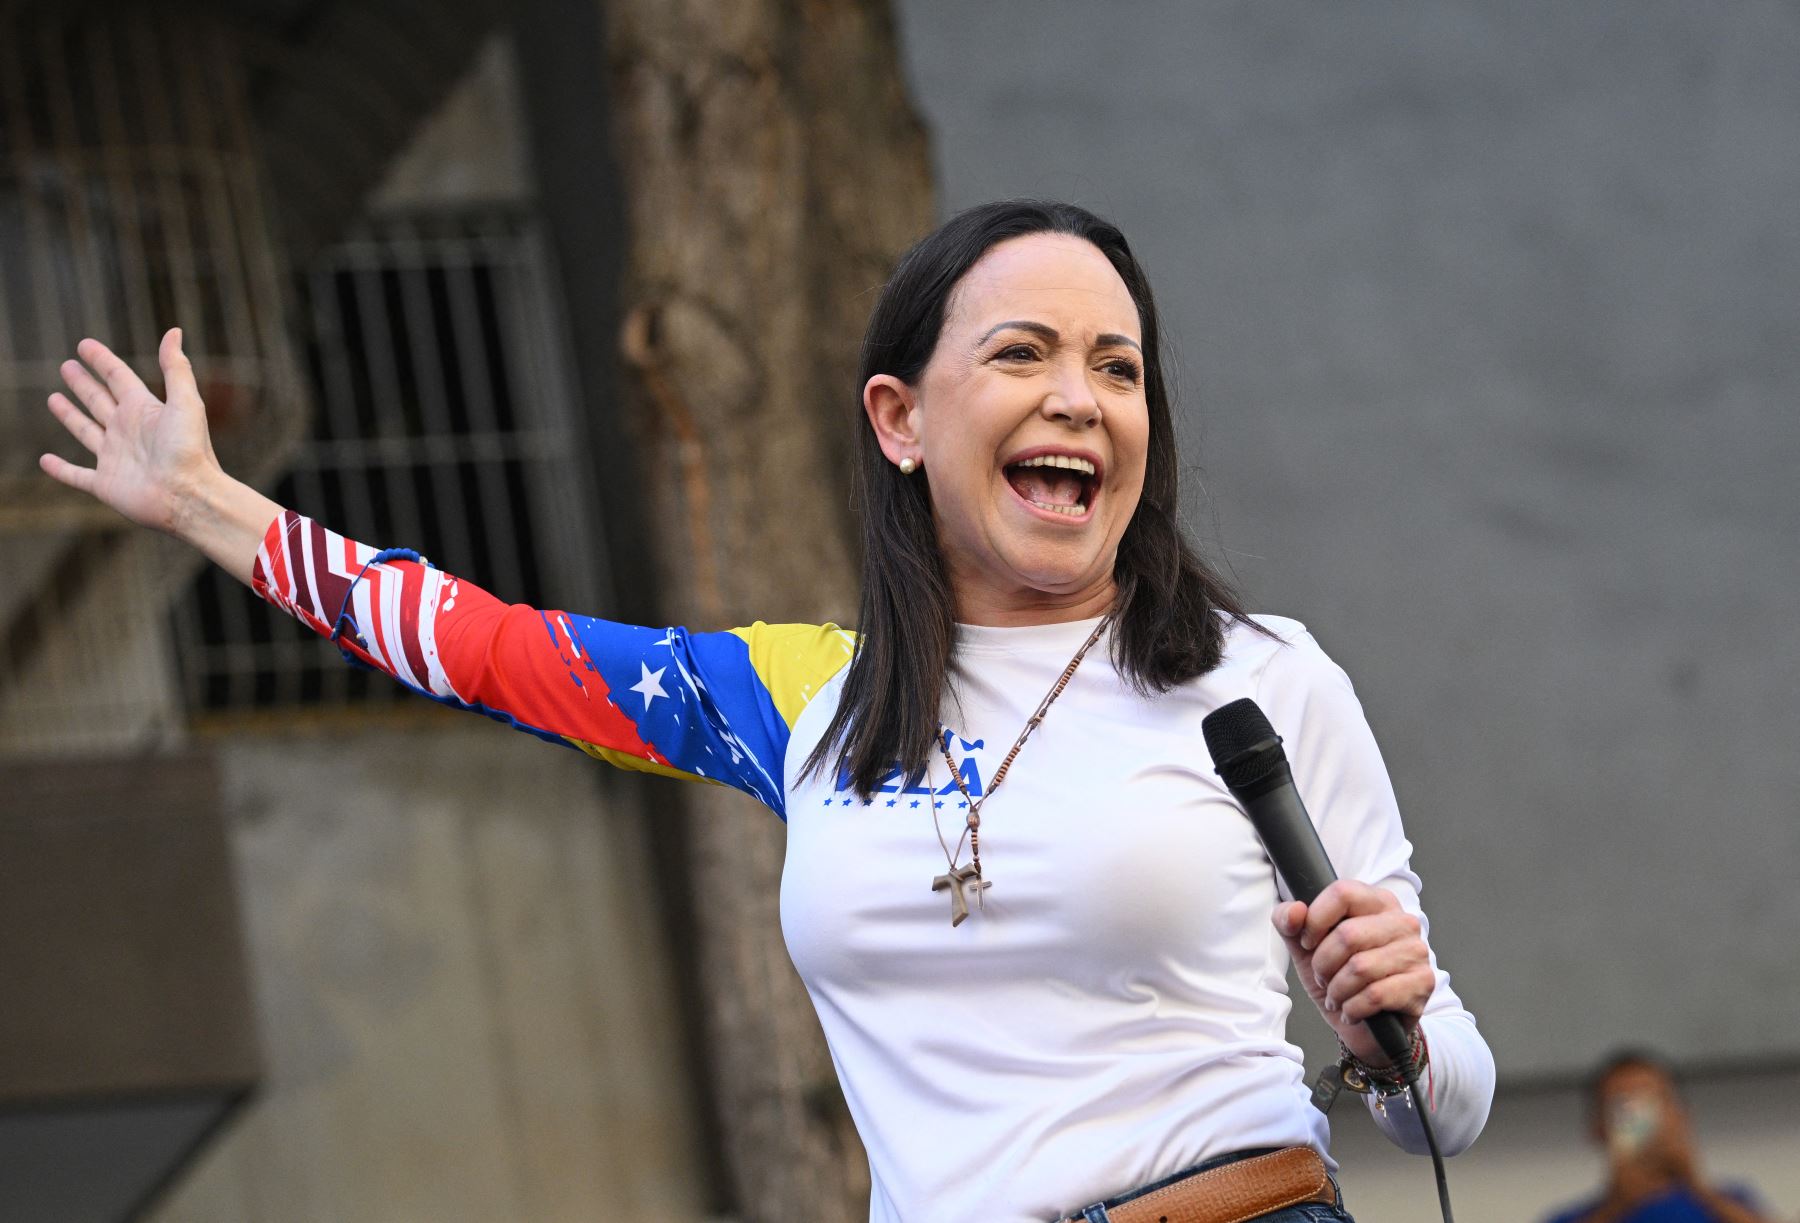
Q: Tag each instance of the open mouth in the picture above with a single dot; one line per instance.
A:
(1056, 483)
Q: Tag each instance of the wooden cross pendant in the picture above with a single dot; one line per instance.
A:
(959, 882)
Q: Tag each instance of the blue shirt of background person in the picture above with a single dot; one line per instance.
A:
(1677, 1205)
(1638, 1116)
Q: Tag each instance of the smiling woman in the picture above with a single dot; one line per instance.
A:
(1019, 333)
(1095, 1028)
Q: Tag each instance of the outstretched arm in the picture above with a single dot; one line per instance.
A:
(707, 706)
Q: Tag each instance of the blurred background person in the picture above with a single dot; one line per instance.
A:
(1653, 1173)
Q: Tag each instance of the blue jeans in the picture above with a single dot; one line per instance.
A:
(1309, 1212)
(1305, 1212)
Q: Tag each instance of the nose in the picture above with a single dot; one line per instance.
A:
(1071, 401)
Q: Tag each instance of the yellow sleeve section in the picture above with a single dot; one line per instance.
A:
(794, 661)
(638, 764)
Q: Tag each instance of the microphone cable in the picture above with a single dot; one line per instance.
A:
(1437, 1158)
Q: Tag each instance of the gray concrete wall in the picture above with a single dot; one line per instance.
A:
(461, 987)
(1485, 317)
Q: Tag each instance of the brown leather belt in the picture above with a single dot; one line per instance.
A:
(1230, 1193)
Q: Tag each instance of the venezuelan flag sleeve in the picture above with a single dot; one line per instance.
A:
(716, 707)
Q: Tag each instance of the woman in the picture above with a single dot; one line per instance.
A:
(1060, 1002)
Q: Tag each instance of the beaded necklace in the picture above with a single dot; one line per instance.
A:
(960, 880)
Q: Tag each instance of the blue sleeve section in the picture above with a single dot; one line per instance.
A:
(696, 699)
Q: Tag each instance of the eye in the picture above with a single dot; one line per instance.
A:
(1017, 352)
(1124, 369)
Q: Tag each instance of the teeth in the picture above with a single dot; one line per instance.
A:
(1059, 460)
(1072, 511)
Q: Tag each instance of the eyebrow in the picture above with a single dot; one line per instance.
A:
(1053, 336)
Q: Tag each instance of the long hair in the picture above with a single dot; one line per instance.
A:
(1172, 610)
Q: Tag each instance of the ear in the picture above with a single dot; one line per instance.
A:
(893, 411)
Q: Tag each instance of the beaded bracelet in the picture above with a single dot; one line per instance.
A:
(1384, 1081)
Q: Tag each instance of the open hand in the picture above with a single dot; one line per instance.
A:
(149, 453)
(1358, 953)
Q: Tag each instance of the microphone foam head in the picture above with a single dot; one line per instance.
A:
(1231, 732)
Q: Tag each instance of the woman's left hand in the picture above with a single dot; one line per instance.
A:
(1358, 953)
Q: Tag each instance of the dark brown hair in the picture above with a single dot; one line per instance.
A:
(1172, 610)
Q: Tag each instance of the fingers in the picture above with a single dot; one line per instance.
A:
(1390, 977)
(1343, 899)
(118, 376)
(94, 397)
(1357, 935)
(65, 472)
(77, 422)
(1290, 919)
(178, 371)
(1404, 993)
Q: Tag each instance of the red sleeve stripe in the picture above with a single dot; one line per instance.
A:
(407, 614)
(388, 598)
(368, 613)
(324, 582)
(260, 570)
(439, 595)
(273, 578)
(310, 564)
(290, 526)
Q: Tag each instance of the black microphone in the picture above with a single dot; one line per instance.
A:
(1247, 755)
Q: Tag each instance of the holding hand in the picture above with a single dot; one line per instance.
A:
(1358, 953)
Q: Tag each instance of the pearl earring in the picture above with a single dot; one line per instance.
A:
(908, 466)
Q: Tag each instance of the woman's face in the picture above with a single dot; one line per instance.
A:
(1031, 425)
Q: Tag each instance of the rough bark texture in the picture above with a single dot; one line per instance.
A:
(774, 171)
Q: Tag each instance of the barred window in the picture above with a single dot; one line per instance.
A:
(443, 423)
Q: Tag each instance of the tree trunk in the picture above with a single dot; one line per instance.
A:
(773, 170)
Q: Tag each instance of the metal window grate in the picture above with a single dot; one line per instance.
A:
(132, 196)
(444, 424)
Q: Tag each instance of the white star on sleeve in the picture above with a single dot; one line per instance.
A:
(650, 685)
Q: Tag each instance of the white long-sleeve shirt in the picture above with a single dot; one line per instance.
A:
(1116, 1010)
